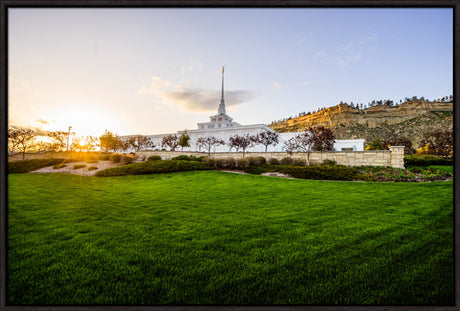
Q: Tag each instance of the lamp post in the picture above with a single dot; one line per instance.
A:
(68, 136)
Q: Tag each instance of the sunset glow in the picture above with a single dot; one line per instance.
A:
(155, 71)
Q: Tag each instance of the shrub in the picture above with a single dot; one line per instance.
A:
(31, 165)
(116, 157)
(104, 157)
(224, 163)
(182, 157)
(425, 160)
(273, 161)
(154, 158)
(92, 168)
(242, 164)
(77, 166)
(256, 160)
(153, 167)
(188, 158)
(287, 161)
(58, 166)
(299, 162)
(329, 162)
(92, 161)
(320, 172)
(126, 159)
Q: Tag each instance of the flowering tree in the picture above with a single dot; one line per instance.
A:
(208, 142)
(316, 138)
(267, 138)
(243, 142)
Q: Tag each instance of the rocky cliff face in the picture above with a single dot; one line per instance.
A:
(410, 119)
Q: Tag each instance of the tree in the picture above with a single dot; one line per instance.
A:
(267, 138)
(208, 142)
(60, 139)
(243, 142)
(315, 138)
(138, 142)
(21, 140)
(440, 143)
(184, 140)
(376, 144)
(171, 141)
(399, 141)
(109, 141)
(323, 138)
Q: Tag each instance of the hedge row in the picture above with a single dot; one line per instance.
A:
(153, 167)
(31, 165)
(425, 160)
(317, 172)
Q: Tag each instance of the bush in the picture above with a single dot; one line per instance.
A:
(188, 158)
(329, 162)
(287, 161)
(153, 167)
(115, 158)
(77, 166)
(126, 159)
(31, 165)
(320, 172)
(256, 160)
(242, 164)
(209, 162)
(425, 160)
(299, 162)
(154, 158)
(104, 157)
(92, 168)
(225, 163)
(273, 161)
(58, 166)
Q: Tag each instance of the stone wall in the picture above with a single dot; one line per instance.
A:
(393, 157)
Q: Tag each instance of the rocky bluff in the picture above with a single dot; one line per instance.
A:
(411, 120)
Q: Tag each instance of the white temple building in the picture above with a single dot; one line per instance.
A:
(222, 126)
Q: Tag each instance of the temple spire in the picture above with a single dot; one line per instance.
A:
(222, 101)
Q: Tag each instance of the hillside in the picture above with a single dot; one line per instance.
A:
(411, 120)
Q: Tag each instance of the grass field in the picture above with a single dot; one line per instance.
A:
(219, 238)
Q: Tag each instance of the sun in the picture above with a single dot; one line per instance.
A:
(84, 120)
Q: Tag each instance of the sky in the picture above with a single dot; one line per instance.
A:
(156, 71)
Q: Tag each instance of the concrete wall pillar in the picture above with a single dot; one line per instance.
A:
(397, 156)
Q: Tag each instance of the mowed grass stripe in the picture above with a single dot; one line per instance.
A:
(221, 238)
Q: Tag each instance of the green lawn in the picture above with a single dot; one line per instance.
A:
(220, 238)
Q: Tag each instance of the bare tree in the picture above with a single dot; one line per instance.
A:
(267, 138)
(208, 142)
(243, 142)
(21, 139)
(60, 139)
(171, 141)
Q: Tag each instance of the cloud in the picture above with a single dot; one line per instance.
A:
(191, 98)
(43, 121)
(275, 86)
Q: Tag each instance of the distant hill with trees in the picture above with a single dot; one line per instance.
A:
(386, 120)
